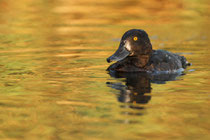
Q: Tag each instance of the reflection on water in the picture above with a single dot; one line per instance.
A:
(134, 89)
(53, 78)
(136, 85)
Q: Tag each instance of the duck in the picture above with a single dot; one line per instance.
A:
(135, 54)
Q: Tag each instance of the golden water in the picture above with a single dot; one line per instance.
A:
(53, 83)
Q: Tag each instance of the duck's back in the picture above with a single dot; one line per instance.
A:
(162, 60)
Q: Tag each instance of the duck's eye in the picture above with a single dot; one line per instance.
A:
(135, 38)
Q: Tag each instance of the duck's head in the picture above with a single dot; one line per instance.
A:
(134, 42)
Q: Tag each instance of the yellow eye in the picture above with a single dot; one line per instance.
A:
(135, 38)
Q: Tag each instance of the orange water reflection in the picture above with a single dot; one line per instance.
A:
(53, 78)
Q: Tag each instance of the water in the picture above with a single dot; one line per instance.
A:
(53, 83)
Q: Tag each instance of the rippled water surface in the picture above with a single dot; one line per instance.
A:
(53, 83)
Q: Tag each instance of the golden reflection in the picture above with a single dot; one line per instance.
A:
(52, 70)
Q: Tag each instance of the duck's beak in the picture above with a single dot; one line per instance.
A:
(120, 54)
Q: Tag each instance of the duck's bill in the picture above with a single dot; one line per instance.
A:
(120, 54)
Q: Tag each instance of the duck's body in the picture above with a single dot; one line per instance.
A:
(135, 54)
(160, 60)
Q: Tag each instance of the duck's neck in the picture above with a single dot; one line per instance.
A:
(140, 60)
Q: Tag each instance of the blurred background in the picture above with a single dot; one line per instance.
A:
(53, 83)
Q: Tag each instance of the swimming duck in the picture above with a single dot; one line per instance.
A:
(135, 54)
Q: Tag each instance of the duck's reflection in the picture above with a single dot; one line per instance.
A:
(137, 86)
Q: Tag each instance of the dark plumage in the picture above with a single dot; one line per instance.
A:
(135, 54)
